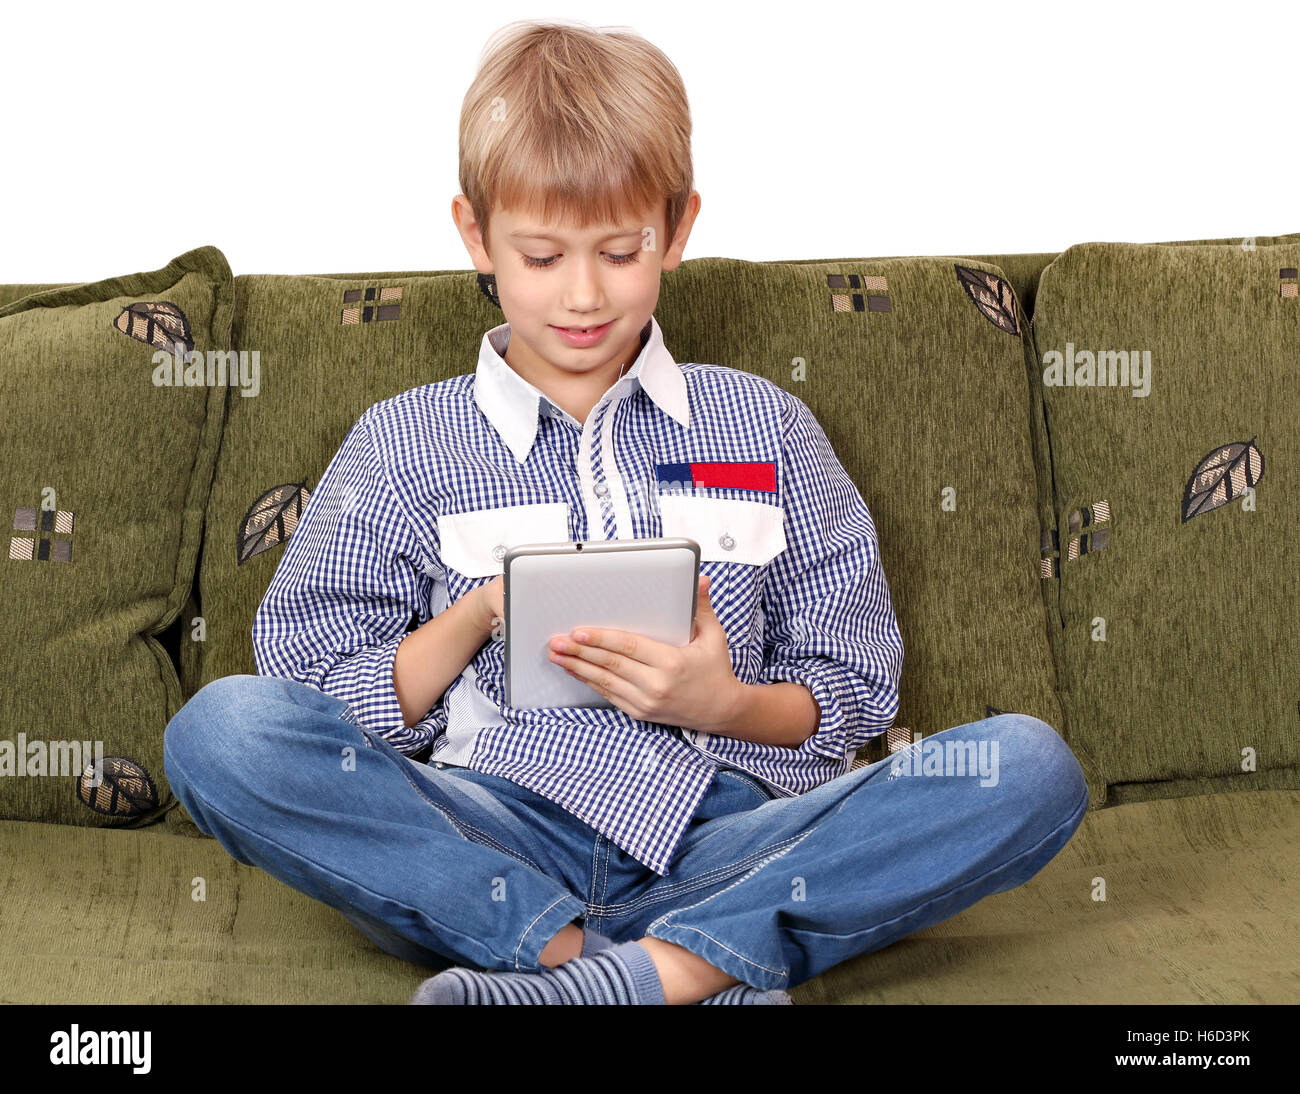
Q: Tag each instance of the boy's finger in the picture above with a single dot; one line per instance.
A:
(633, 657)
(623, 679)
(636, 647)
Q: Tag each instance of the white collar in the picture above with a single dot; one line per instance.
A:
(512, 404)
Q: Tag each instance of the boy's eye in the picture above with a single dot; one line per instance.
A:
(617, 260)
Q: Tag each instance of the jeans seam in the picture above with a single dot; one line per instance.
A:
(663, 920)
(739, 956)
(465, 830)
(1083, 801)
(679, 888)
(531, 926)
(599, 875)
(675, 889)
(658, 895)
(605, 852)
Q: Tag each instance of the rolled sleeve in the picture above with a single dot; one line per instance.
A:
(352, 579)
(828, 618)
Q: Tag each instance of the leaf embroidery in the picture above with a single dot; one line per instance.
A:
(1089, 529)
(994, 298)
(487, 284)
(157, 324)
(1224, 474)
(897, 737)
(1047, 563)
(126, 790)
(271, 519)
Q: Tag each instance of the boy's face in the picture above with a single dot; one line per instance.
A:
(551, 277)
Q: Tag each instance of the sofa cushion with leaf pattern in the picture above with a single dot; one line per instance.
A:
(110, 437)
(1167, 377)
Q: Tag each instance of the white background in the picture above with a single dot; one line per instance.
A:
(321, 138)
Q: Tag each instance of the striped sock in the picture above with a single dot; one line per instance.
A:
(620, 974)
(744, 995)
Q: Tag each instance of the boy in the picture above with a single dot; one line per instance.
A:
(704, 840)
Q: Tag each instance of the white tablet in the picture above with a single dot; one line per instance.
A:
(648, 586)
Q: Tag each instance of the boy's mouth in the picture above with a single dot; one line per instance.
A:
(583, 337)
(584, 330)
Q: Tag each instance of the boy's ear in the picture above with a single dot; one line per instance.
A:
(471, 234)
(677, 248)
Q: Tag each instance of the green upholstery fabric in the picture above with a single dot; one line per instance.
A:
(1024, 272)
(105, 476)
(192, 628)
(10, 293)
(1196, 665)
(1199, 909)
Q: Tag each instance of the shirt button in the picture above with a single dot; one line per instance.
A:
(601, 489)
(439, 764)
(726, 542)
(499, 551)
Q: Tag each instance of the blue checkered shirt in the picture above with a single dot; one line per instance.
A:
(431, 486)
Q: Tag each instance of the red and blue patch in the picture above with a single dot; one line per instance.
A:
(731, 476)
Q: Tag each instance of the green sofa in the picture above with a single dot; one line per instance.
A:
(1077, 464)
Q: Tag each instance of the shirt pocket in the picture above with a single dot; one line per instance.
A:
(727, 529)
(474, 544)
(737, 539)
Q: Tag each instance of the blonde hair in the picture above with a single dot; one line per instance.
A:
(577, 124)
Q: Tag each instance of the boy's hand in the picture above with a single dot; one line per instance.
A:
(692, 686)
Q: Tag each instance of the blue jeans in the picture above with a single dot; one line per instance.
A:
(443, 865)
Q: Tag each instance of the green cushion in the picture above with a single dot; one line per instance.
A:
(1022, 270)
(1199, 908)
(10, 293)
(1195, 588)
(105, 477)
(893, 390)
(318, 375)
